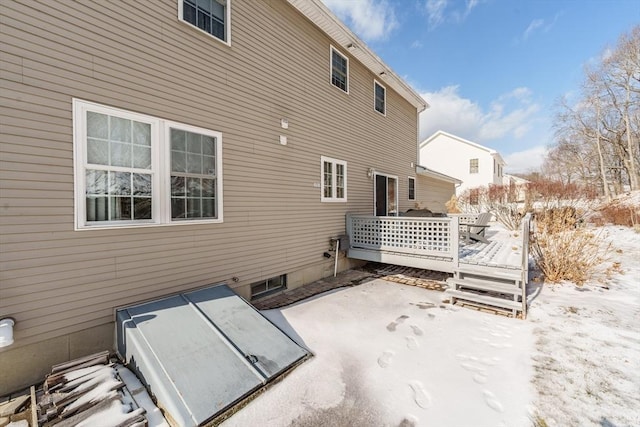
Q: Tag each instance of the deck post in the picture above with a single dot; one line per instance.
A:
(526, 225)
(349, 230)
(455, 242)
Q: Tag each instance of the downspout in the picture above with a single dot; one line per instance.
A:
(335, 265)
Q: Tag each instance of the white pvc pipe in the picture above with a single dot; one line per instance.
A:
(6, 331)
(335, 266)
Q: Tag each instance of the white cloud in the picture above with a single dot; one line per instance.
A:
(435, 11)
(369, 19)
(540, 25)
(510, 115)
(534, 25)
(525, 161)
(441, 11)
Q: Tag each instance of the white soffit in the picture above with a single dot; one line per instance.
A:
(324, 19)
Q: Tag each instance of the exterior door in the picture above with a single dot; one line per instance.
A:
(385, 195)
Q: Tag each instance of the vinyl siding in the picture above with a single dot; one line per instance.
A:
(433, 194)
(139, 57)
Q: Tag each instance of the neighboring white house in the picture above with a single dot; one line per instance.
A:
(517, 184)
(471, 163)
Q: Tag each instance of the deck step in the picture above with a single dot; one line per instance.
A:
(493, 271)
(485, 299)
(484, 285)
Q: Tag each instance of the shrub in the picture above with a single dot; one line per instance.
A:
(564, 252)
(618, 214)
(500, 200)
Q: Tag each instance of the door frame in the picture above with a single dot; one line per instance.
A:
(375, 192)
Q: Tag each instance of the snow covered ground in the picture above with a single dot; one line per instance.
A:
(394, 355)
(587, 345)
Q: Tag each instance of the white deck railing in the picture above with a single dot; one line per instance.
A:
(435, 237)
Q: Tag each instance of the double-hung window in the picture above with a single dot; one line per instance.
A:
(412, 188)
(473, 166)
(210, 16)
(137, 170)
(380, 98)
(339, 70)
(334, 180)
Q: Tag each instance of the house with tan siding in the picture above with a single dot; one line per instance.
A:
(148, 148)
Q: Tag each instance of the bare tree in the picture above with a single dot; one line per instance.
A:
(598, 137)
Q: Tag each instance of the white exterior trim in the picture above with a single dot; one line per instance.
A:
(376, 82)
(227, 22)
(160, 168)
(331, 50)
(323, 18)
(375, 194)
(415, 189)
(334, 162)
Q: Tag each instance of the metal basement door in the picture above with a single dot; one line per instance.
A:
(201, 352)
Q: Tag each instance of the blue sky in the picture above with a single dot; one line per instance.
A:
(492, 70)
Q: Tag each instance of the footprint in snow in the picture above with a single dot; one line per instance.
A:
(385, 360)
(480, 378)
(420, 395)
(409, 421)
(500, 345)
(473, 367)
(492, 401)
(412, 344)
(500, 335)
(416, 330)
(391, 327)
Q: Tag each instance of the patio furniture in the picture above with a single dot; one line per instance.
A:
(474, 232)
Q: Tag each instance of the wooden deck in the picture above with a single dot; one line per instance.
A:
(489, 274)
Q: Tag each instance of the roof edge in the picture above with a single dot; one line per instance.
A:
(422, 170)
(332, 26)
(491, 151)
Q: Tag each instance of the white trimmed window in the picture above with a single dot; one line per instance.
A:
(473, 166)
(412, 188)
(137, 170)
(380, 98)
(334, 180)
(210, 16)
(339, 70)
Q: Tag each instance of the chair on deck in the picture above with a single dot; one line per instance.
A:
(474, 232)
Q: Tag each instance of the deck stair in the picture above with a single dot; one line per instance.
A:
(503, 294)
(489, 273)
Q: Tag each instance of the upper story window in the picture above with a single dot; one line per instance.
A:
(135, 170)
(339, 70)
(473, 165)
(380, 98)
(211, 16)
(334, 180)
(412, 188)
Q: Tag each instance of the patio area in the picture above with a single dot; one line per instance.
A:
(492, 274)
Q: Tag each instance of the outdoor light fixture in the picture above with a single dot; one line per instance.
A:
(370, 172)
(383, 74)
(6, 331)
(351, 47)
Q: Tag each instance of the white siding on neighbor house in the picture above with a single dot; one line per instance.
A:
(451, 156)
(137, 56)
